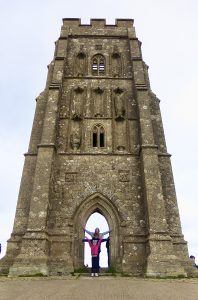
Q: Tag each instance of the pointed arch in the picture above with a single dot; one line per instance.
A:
(97, 219)
(96, 203)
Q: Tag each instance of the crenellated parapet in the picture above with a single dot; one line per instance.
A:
(122, 28)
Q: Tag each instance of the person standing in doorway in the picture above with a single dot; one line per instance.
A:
(94, 245)
(97, 235)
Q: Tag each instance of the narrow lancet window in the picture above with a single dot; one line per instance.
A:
(95, 137)
(101, 137)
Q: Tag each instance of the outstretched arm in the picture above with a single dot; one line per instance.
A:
(86, 238)
(89, 232)
(99, 242)
(104, 233)
(104, 240)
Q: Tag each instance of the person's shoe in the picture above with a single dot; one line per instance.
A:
(92, 274)
(96, 274)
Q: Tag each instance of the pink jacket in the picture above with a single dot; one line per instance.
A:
(94, 248)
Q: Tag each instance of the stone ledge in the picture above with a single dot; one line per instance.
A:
(30, 154)
(46, 146)
(59, 58)
(98, 36)
(97, 154)
(55, 86)
(141, 87)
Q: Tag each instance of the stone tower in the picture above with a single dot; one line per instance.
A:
(97, 145)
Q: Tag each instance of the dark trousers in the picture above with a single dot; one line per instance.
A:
(95, 264)
(108, 258)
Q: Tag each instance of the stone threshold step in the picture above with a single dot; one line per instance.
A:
(89, 274)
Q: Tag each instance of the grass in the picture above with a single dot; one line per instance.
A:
(34, 275)
(112, 271)
(81, 270)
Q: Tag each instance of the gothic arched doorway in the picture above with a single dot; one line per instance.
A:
(96, 220)
(94, 203)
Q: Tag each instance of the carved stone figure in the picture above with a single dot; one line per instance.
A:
(119, 103)
(81, 62)
(77, 104)
(75, 140)
(116, 64)
(98, 102)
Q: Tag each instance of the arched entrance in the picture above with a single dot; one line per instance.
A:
(96, 220)
(96, 202)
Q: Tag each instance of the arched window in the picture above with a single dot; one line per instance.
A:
(98, 65)
(98, 136)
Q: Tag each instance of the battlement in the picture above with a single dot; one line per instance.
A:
(75, 22)
(121, 28)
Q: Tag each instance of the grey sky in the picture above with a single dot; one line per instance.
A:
(168, 31)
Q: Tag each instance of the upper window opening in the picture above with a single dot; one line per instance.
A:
(98, 136)
(98, 65)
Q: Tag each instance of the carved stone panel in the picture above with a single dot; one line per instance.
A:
(70, 176)
(124, 175)
(120, 135)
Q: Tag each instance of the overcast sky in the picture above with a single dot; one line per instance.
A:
(168, 32)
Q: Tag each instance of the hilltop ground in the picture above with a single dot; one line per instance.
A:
(104, 287)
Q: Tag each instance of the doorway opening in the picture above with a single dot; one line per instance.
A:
(96, 220)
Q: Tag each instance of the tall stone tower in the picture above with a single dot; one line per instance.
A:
(97, 145)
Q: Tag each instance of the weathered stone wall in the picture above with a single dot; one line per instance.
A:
(117, 178)
(88, 120)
